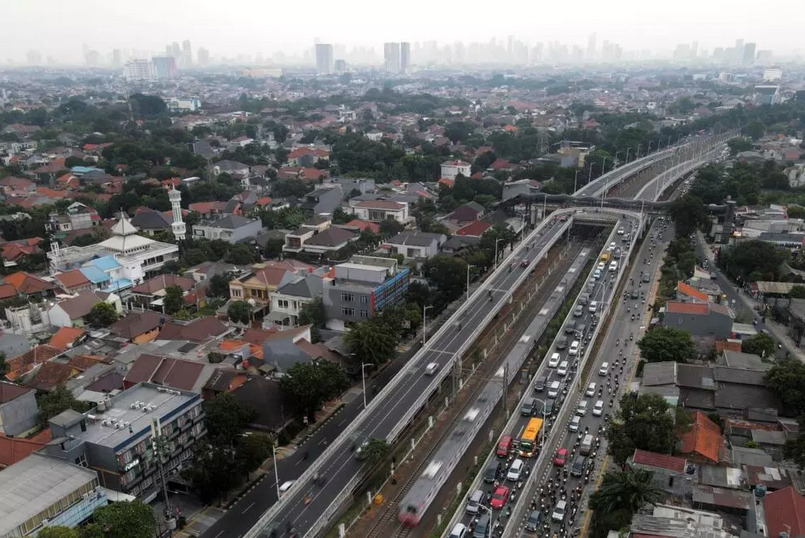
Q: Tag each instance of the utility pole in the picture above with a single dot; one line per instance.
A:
(505, 386)
(160, 447)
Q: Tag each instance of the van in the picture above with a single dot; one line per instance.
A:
(553, 390)
(504, 446)
(593, 308)
(570, 328)
(474, 501)
(581, 410)
(561, 342)
(482, 527)
(577, 469)
(575, 423)
(586, 445)
(431, 368)
(539, 384)
(574, 348)
(558, 514)
(562, 370)
(528, 407)
(584, 299)
(613, 266)
(491, 473)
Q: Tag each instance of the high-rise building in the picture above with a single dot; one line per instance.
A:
(34, 57)
(591, 40)
(177, 226)
(391, 57)
(139, 71)
(117, 58)
(340, 66)
(405, 56)
(748, 54)
(203, 57)
(324, 58)
(165, 67)
(175, 51)
(187, 54)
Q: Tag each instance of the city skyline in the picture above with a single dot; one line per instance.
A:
(643, 30)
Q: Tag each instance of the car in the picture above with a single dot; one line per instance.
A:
(459, 531)
(584, 299)
(620, 231)
(431, 368)
(612, 244)
(601, 266)
(590, 390)
(604, 370)
(562, 369)
(561, 457)
(579, 311)
(504, 446)
(581, 410)
(635, 294)
(558, 514)
(646, 278)
(593, 308)
(598, 409)
(474, 501)
(561, 342)
(553, 390)
(575, 423)
(597, 274)
(285, 487)
(515, 470)
(570, 328)
(525, 262)
(554, 361)
(539, 384)
(499, 498)
(532, 524)
(574, 348)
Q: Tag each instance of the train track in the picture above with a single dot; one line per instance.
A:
(387, 523)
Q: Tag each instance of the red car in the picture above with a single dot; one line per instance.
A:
(561, 457)
(500, 497)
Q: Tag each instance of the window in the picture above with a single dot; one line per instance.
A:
(364, 299)
(347, 297)
(364, 313)
(283, 303)
(81, 460)
(346, 311)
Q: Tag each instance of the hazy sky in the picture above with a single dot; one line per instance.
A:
(59, 28)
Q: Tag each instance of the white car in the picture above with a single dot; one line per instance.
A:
(612, 244)
(581, 410)
(574, 348)
(558, 514)
(604, 370)
(590, 389)
(562, 369)
(553, 389)
(431, 368)
(515, 470)
(597, 274)
(554, 361)
(601, 266)
(285, 487)
(598, 408)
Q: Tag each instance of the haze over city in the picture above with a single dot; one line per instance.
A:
(261, 32)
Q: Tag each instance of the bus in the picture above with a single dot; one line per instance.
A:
(530, 438)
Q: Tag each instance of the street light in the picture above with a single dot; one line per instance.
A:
(276, 474)
(363, 380)
(468, 280)
(496, 253)
(627, 155)
(424, 323)
(544, 422)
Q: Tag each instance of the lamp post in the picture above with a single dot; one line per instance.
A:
(468, 280)
(496, 253)
(363, 380)
(575, 181)
(627, 155)
(276, 474)
(424, 323)
(544, 421)
(616, 158)
(638, 151)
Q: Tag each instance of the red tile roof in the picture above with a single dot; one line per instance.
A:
(176, 373)
(65, 337)
(785, 512)
(690, 291)
(22, 364)
(197, 331)
(72, 279)
(663, 461)
(28, 284)
(474, 229)
(7, 291)
(676, 307)
(363, 225)
(51, 375)
(11, 391)
(13, 449)
(727, 345)
(703, 439)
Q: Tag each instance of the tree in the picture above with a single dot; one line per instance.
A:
(241, 254)
(133, 519)
(755, 129)
(795, 448)
(171, 267)
(753, 260)
(666, 344)
(219, 286)
(761, 344)
(376, 451)
(52, 403)
(371, 342)
(213, 472)
(448, 275)
(102, 314)
(313, 314)
(797, 292)
(738, 145)
(174, 299)
(688, 214)
(252, 451)
(642, 422)
(620, 495)
(58, 531)
(786, 380)
(3, 366)
(148, 105)
(308, 385)
(239, 312)
(226, 418)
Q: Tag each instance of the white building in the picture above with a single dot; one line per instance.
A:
(772, 74)
(450, 169)
(139, 71)
(380, 210)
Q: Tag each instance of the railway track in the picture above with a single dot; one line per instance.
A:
(387, 523)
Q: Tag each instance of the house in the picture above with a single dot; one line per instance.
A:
(27, 285)
(15, 449)
(668, 472)
(232, 229)
(318, 236)
(689, 294)
(667, 521)
(380, 210)
(12, 344)
(50, 375)
(266, 397)
(235, 169)
(150, 221)
(703, 441)
(414, 244)
(22, 364)
(706, 322)
(324, 201)
(224, 380)
(151, 293)
(197, 331)
(18, 409)
(66, 337)
(473, 229)
(257, 285)
(288, 300)
(307, 156)
(468, 212)
(73, 281)
(208, 210)
(71, 312)
(169, 372)
(451, 169)
(785, 513)
(139, 327)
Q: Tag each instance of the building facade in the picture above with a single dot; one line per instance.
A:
(450, 169)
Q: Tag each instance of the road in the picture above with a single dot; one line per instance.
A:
(305, 503)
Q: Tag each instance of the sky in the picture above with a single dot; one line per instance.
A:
(60, 28)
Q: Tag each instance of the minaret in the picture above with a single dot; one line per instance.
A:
(178, 227)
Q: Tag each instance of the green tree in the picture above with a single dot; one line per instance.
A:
(102, 315)
(761, 344)
(226, 418)
(213, 472)
(219, 286)
(313, 314)
(58, 531)
(448, 275)
(376, 451)
(239, 312)
(753, 260)
(689, 214)
(174, 299)
(242, 254)
(252, 451)
(619, 497)
(171, 267)
(371, 342)
(797, 292)
(666, 344)
(133, 519)
(148, 105)
(755, 130)
(739, 144)
(795, 212)
(786, 380)
(795, 448)
(308, 385)
(60, 399)
(3, 366)
(642, 422)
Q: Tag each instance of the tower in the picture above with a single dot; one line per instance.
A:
(177, 226)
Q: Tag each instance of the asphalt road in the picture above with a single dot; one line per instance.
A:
(307, 502)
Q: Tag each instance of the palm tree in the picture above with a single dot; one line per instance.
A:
(620, 495)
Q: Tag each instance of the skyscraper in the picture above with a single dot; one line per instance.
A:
(391, 57)
(34, 57)
(324, 58)
(165, 67)
(187, 54)
(203, 57)
(749, 54)
(117, 58)
(405, 56)
(591, 40)
(139, 71)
